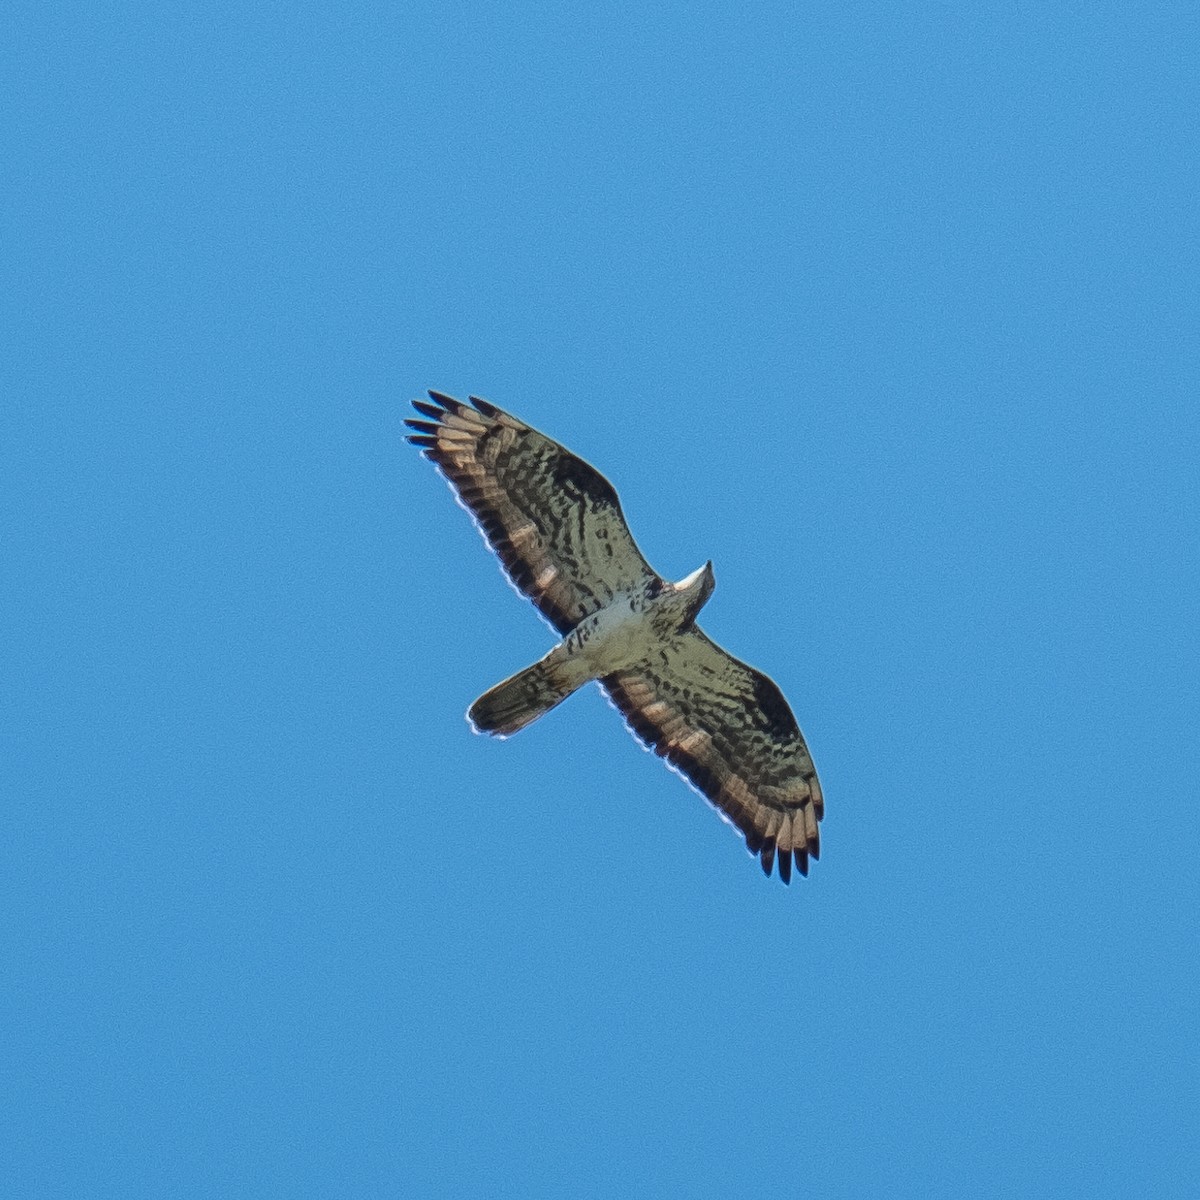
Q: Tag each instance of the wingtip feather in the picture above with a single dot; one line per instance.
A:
(768, 856)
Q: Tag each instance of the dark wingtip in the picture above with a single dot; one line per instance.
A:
(422, 440)
(785, 867)
(422, 426)
(428, 410)
(801, 860)
(768, 856)
(447, 402)
(488, 410)
(814, 848)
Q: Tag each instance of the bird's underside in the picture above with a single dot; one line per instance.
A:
(556, 525)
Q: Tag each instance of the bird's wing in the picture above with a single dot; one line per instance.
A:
(553, 520)
(728, 730)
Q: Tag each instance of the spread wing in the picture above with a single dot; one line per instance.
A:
(727, 729)
(553, 520)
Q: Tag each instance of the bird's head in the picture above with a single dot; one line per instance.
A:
(697, 587)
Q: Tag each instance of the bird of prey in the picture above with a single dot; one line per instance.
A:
(556, 525)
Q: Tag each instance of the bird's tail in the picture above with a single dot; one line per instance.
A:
(527, 695)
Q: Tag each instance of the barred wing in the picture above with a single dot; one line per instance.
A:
(553, 520)
(727, 728)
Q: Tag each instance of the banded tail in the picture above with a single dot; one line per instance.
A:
(527, 695)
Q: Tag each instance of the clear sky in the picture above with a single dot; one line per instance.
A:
(891, 310)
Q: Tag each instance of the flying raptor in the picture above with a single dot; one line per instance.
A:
(556, 524)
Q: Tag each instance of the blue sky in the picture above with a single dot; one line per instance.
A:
(889, 310)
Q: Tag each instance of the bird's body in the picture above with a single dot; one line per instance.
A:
(557, 526)
(628, 631)
(629, 627)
